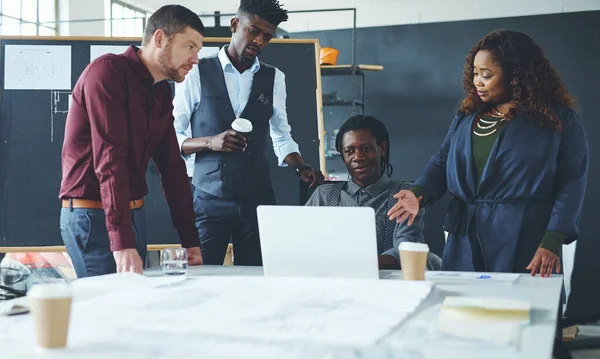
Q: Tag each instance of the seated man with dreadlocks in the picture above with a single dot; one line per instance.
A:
(364, 144)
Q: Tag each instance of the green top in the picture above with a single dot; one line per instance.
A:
(483, 143)
(485, 133)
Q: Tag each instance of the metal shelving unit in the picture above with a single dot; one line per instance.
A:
(357, 101)
(348, 70)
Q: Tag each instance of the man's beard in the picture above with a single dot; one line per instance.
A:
(248, 59)
(164, 59)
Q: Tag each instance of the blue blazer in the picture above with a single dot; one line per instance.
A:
(534, 181)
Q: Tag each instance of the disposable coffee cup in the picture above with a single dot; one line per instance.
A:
(50, 306)
(243, 127)
(413, 258)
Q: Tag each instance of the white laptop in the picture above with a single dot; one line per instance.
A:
(299, 241)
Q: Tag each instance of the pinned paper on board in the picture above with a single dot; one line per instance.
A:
(98, 50)
(37, 67)
(207, 51)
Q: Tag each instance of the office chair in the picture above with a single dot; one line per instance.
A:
(305, 192)
(562, 349)
(6, 292)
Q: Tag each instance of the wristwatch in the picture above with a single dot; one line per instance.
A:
(302, 168)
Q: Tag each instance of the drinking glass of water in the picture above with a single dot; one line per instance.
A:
(174, 261)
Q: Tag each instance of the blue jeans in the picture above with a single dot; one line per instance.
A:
(83, 230)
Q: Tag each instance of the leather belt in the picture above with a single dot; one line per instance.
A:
(88, 203)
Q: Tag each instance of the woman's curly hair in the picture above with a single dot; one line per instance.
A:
(536, 86)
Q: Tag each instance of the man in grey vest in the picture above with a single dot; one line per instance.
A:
(231, 173)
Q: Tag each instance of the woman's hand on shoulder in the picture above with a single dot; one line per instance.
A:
(407, 207)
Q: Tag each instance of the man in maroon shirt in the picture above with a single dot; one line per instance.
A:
(120, 117)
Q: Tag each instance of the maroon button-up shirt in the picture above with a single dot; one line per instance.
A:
(117, 121)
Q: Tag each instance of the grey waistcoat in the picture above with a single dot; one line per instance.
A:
(225, 174)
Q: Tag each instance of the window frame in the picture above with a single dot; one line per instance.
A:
(140, 14)
(46, 25)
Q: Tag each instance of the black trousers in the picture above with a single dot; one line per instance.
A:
(221, 221)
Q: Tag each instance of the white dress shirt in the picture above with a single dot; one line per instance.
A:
(188, 96)
(191, 159)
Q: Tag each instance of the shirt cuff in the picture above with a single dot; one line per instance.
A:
(420, 191)
(189, 237)
(553, 241)
(284, 150)
(181, 139)
(121, 238)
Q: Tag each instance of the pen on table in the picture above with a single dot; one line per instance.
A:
(484, 276)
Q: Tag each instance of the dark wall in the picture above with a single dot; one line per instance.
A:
(419, 90)
(32, 131)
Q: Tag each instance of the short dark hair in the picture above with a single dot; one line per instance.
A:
(172, 19)
(377, 129)
(269, 10)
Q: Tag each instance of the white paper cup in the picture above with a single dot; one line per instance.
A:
(243, 127)
(50, 306)
(413, 259)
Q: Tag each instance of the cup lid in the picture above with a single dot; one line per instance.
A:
(413, 246)
(50, 290)
(241, 125)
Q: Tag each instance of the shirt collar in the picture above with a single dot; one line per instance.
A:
(226, 63)
(138, 66)
(374, 189)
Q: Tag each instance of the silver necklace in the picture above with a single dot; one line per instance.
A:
(489, 125)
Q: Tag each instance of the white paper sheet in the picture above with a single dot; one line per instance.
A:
(207, 51)
(457, 277)
(422, 334)
(226, 317)
(337, 312)
(99, 50)
(495, 320)
(495, 332)
(37, 67)
(487, 303)
(91, 287)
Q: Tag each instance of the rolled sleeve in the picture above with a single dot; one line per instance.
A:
(280, 130)
(180, 140)
(185, 102)
(105, 94)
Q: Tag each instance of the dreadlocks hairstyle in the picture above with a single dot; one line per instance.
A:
(269, 10)
(377, 129)
(535, 85)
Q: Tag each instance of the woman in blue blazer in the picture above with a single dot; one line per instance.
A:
(515, 161)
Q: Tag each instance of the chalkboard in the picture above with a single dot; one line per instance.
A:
(32, 129)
